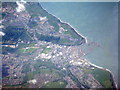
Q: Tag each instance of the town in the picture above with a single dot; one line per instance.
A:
(41, 51)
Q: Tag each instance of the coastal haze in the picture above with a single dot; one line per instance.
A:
(98, 21)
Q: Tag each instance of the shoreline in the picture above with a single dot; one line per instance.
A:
(112, 75)
(86, 41)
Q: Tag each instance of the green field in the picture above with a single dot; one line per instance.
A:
(26, 68)
(56, 84)
(30, 50)
(46, 50)
(40, 63)
(103, 77)
(70, 31)
(50, 69)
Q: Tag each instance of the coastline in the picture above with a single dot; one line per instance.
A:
(86, 41)
(112, 75)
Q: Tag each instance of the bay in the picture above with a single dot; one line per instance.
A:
(96, 21)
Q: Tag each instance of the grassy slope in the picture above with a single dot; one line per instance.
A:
(103, 77)
(32, 8)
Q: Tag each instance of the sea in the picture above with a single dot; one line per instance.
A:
(98, 22)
